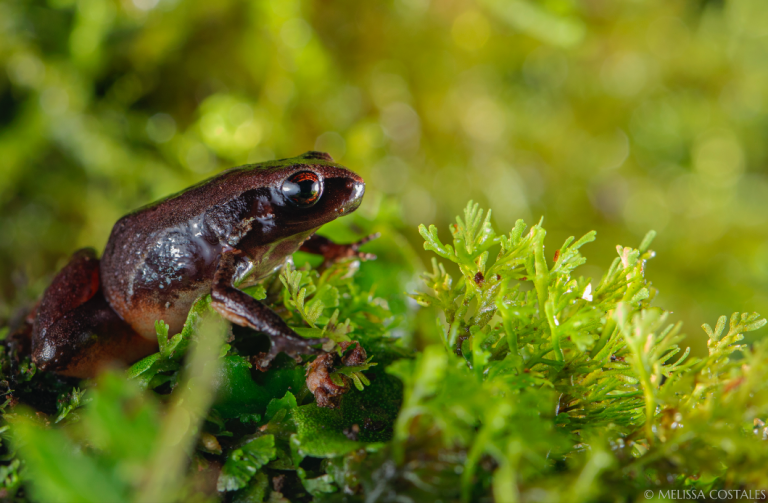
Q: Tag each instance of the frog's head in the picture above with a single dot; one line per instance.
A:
(313, 190)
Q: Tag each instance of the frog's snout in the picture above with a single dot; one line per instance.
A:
(356, 190)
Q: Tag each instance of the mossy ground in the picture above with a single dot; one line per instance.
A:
(539, 384)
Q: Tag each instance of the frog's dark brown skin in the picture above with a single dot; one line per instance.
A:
(226, 232)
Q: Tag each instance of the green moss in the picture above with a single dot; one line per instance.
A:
(533, 382)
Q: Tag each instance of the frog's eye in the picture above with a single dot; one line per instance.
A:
(303, 189)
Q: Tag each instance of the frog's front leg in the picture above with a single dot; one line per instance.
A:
(242, 309)
(331, 252)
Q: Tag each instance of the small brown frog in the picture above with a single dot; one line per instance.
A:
(223, 234)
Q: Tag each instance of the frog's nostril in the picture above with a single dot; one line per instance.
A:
(352, 184)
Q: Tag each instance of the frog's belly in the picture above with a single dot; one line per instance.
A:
(173, 304)
(172, 309)
(170, 278)
(158, 277)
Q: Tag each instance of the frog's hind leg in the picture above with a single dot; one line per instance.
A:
(75, 331)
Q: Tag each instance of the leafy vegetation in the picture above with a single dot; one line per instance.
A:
(520, 380)
(538, 384)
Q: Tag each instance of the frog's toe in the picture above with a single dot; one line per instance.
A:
(356, 247)
(293, 346)
(296, 346)
(366, 239)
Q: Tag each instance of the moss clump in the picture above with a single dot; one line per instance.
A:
(539, 385)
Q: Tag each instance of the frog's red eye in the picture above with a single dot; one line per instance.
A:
(303, 189)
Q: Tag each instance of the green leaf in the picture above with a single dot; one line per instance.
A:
(320, 485)
(288, 402)
(69, 403)
(646, 242)
(258, 292)
(243, 463)
(161, 328)
(255, 492)
(143, 365)
(309, 332)
(355, 373)
(236, 391)
(249, 418)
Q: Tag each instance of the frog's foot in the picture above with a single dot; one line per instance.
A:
(242, 309)
(294, 346)
(332, 252)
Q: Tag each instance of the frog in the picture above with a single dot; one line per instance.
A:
(217, 237)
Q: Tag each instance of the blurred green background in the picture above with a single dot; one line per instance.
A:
(619, 116)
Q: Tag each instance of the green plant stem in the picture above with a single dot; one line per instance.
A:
(541, 283)
(645, 380)
(196, 395)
